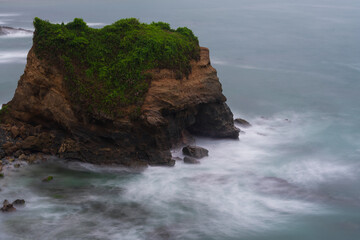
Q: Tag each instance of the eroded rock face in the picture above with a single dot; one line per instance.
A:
(47, 121)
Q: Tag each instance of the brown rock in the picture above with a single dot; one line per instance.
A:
(9, 148)
(7, 207)
(18, 153)
(30, 142)
(31, 158)
(22, 157)
(170, 110)
(14, 131)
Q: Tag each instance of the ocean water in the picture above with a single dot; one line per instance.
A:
(292, 68)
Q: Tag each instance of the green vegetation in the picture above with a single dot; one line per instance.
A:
(3, 111)
(48, 179)
(107, 69)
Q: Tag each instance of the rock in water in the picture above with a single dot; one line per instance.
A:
(191, 160)
(171, 106)
(242, 122)
(196, 152)
(7, 207)
(18, 202)
(172, 163)
(48, 179)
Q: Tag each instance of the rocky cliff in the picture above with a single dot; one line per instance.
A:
(42, 117)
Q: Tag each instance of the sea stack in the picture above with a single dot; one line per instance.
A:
(65, 103)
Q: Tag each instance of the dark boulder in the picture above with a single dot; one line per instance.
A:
(171, 162)
(18, 202)
(242, 122)
(215, 120)
(196, 152)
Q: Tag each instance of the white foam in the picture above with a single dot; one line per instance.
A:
(17, 34)
(221, 62)
(95, 24)
(13, 57)
(9, 14)
(314, 171)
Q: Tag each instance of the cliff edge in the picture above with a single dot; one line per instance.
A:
(44, 116)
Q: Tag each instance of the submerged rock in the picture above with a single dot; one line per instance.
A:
(191, 160)
(242, 122)
(19, 202)
(7, 207)
(48, 179)
(196, 152)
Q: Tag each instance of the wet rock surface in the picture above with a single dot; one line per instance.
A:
(19, 202)
(7, 207)
(242, 122)
(195, 152)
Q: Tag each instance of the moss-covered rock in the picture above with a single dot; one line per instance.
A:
(106, 68)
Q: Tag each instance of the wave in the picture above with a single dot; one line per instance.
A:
(9, 14)
(13, 57)
(17, 34)
(220, 62)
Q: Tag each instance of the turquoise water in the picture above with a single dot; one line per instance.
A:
(291, 68)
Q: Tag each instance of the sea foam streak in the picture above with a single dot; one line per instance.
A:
(13, 57)
(9, 14)
(240, 185)
(17, 34)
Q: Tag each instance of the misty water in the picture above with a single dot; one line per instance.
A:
(291, 68)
